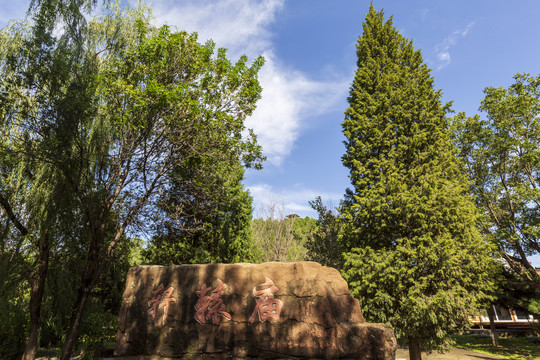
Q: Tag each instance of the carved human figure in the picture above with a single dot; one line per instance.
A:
(211, 306)
(160, 300)
(267, 307)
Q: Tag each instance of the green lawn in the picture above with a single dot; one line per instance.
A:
(520, 348)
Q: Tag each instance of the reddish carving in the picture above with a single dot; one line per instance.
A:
(267, 306)
(160, 301)
(211, 306)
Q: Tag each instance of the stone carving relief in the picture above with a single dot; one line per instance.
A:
(160, 299)
(267, 307)
(210, 305)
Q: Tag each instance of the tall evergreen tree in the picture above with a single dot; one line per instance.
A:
(414, 257)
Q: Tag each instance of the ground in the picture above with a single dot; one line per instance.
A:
(454, 354)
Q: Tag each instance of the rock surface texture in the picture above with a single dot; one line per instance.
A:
(246, 311)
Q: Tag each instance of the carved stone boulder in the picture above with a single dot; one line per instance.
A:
(263, 311)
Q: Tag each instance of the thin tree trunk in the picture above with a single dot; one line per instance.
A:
(494, 335)
(95, 265)
(75, 323)
(38, 288)
(90, 276)
(414, 349)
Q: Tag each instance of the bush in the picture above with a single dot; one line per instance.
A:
(98, 332)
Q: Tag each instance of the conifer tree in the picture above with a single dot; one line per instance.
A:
(414, 257)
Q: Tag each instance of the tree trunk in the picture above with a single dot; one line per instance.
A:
(88, 281)
(95, 265)
(75, 323)
(38, 288)
(414, 349)
(494, 335)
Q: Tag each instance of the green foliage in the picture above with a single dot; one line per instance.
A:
(518, 294)
(205, 221)
(502, 157)
(534, 306)
(15, 262)
(99, 323)
(414, 257)
(136, 251)
(425, 294)
(98, 332)
(303, 230)
(35, 85)
(323, 245)
(14, 297)
(14, 326)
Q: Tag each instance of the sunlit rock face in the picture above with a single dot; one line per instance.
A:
(264, 311)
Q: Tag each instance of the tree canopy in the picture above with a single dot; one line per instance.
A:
(120, 112)
(206, 220)
(502, 157)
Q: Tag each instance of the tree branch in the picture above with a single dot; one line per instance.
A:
(11, 216)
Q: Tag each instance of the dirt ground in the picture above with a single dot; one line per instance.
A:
(454, 354)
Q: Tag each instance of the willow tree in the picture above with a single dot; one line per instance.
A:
(414, 257)
(35, 88)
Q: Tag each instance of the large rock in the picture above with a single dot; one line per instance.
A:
(265, 311)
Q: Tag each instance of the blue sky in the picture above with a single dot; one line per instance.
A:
(309, 46)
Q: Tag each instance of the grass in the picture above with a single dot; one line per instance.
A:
(518, 348)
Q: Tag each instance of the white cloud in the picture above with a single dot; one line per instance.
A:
(295, 200)
(443, 48)
(238, 25)
(288, 98)
(242, 26)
